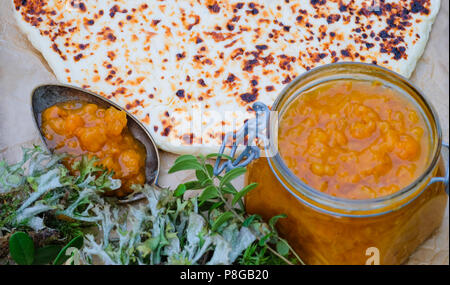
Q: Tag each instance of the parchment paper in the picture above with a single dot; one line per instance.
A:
(22, 68)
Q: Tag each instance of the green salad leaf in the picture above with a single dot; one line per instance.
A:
(21, 248)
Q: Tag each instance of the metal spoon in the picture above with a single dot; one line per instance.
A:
(45, 96)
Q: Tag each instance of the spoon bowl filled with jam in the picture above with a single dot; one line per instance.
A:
(78, 123)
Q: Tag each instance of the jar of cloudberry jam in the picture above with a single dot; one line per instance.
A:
(360, 167)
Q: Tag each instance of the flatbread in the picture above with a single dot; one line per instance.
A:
(190, 70)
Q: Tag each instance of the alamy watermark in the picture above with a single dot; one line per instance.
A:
(374, 256)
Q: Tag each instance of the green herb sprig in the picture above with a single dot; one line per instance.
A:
(219, 193)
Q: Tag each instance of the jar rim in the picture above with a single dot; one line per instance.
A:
(345, 203)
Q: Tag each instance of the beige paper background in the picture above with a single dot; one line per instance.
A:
(22, 68)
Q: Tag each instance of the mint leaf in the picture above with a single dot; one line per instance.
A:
(214, 155)
(186, 165)
(210, 170)
(249, 220)
(185, 158)
(221, 220)
(180, 190)
(193, 185)
(231, 175)
(243, 192)
(210, 192)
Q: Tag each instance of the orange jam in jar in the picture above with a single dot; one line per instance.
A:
(354, 139)
(79, 128)
(357, 167)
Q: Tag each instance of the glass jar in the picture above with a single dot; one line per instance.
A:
(324, 229)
